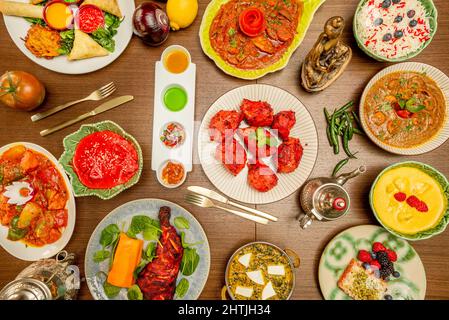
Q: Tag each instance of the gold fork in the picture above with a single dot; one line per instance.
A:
(97, 95)
(204, 202)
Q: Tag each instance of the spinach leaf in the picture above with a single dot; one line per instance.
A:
(104, 35)
(189, 262)
(141, 223)
(110, 290)
(151, 233)
(101, 255)
(182, 223)
(134, 293)
(67, 38)
(182, 288)
(188, 245)
(143, 263)
(109, 235)
(150, 252)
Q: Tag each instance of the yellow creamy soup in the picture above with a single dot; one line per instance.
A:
(400, 215)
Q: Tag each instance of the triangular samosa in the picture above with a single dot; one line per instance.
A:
(110, 6)
(85, 47)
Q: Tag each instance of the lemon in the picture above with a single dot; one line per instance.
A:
(181, 13)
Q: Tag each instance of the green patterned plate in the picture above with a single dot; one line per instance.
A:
(71, 141)
(310, 7)
(411, 285)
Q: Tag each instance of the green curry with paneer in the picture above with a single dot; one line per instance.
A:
(405, 109)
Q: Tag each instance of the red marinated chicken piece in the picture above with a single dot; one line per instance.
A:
(261, 177)
(232, 155)
(259, 141)
(223, 124)
(283, 122)
(257, 113)
(289, 155)
(158, 280)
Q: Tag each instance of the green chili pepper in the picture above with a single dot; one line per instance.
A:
(345, 107)
(346, 143)
(340, 165)
(350, 126)
(356, 118)
(358, 131)
(328, 133)
(333, 135)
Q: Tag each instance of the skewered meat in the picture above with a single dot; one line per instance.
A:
(158, 280)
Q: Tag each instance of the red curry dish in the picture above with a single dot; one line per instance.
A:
(33, 197)
(255, 34)
(104, 160)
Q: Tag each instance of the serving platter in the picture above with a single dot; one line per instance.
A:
(19, 249)
(122, 217)
(237, 187)
(18, 27)
(310, 7)
(441, 79)
(411, 285)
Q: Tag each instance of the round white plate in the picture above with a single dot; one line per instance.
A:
(411, 285)
(18, 27)
(443, 82)
(18, 248)
(122, 216)
(237, 187)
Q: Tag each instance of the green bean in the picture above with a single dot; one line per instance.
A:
(333, 134)
(357, 120)
(328, 133)
(327, 115)
(340, 165)
(346, 143)
(345, 107)
(359, 132)
(350, 126)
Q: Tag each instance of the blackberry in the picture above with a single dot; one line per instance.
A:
(382, 257)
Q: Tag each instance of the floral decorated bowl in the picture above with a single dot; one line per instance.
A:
(394, 31)
(70, 143)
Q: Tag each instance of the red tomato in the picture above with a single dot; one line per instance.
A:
(404, 114)
(21, 90)
(252, 22)
(61, 218)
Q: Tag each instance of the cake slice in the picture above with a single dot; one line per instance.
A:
(360, 283)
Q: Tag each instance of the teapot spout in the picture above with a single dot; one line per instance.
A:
(343, 178)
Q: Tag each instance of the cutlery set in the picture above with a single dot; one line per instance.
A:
(96, 95)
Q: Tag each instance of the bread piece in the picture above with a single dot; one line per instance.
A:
(110, 6)
(361, 284)
(85, 47)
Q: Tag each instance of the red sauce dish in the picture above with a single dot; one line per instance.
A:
(90, 18)
(58, 15)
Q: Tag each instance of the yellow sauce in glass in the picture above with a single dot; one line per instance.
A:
(176, 61)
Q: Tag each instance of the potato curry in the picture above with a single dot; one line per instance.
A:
(255, 34)
(405, 109)
(33, 197)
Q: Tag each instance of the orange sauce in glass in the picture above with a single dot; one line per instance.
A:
(58, 15)
(176, 61)
(173, 173)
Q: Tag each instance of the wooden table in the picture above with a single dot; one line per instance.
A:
(133, 73)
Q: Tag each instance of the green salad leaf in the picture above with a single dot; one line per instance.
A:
(104, 36)
(182, 223)
(150, 252)
(182, 288)
(149, 227)
(190, 261)
(186, 244)
(38, 21)
(134, 293)
(110, 290)
(101, 255)
(109, 235)
(67, 38)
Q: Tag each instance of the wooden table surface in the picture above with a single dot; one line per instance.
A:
(133, 72)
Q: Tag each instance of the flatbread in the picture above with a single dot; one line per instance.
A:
(85, 47)
(110, 6)
(19, 9)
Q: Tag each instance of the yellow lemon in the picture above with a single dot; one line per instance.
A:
(181, 13)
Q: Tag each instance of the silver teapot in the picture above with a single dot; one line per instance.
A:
(325, 199)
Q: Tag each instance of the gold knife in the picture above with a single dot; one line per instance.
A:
(218, 197)
(108, 105)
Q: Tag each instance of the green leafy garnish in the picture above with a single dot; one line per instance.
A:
(38, 21)
(109, 235)
(182, 288)
(231, 32)
(101, 255)
(148, 226)
(182, 223)
(104, 35)
(134, 293)
(67, 38)
(188, 245)
(110, 290)
(190, 261)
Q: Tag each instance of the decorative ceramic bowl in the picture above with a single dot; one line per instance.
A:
(71, 141)
(310, 7)
(358, 27)
(435, 174)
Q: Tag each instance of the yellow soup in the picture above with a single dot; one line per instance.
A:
(399, 215)
(176, 61)
(58, 15)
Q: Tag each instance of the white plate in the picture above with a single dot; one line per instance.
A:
(412, 283)
(18, 27)
(237, 187)
(18, 248)
(122, 216)
(436, 75)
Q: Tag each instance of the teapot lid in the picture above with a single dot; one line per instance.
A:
(25, 289)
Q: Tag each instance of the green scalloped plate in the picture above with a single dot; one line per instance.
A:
(310, 7)
(71, 141)
(432, 13)
(439, 177)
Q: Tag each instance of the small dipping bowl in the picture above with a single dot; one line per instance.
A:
(58, 15)
(172, 135)
(176, 59)
(163, 182)
(175, 98)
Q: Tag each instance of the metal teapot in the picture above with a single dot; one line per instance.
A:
(325, 199)
(46, 279)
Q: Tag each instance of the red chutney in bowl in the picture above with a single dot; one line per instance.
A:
(104, 160)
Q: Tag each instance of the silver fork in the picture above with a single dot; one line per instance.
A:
(205, 202)
(97, 95)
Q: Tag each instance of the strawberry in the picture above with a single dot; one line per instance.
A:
(377, 246)
(421, 206)
(392, 255)
(400, 196)
(375, 264)
(364, 256)
(413, 201)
